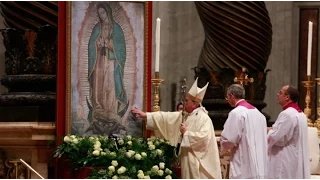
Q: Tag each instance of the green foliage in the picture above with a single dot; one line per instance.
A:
(129, 157)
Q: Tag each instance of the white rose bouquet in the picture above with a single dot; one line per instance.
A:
(119, 158)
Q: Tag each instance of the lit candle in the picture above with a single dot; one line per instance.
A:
(157, 45)
(309, 49)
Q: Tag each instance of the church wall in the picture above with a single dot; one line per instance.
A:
(282, 61)
(182, 37)
(284, 58)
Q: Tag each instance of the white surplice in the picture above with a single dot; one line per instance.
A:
(288, 146)
(245, 134)
(199, 149)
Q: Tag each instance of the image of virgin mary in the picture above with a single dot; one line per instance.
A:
(108, 100)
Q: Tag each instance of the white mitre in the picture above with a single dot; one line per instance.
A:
(197, 93)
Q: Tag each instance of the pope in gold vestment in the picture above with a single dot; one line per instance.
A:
(199, 149)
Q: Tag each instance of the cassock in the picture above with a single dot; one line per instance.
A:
(245, 134)
(199, 149)
(288, 145)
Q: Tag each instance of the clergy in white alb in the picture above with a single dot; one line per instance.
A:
(245, 135)
(199, 149)
(288, 139)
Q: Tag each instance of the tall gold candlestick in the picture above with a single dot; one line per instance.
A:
(317, 122)
(307, 110)
(156, 95)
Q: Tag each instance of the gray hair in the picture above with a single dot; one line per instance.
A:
(237, 91)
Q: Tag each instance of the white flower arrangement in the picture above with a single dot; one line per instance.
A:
(114, 163)
(121, 158)
(112, 168)
(161, 165)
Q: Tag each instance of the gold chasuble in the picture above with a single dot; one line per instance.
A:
(199, 149)
(165, 125)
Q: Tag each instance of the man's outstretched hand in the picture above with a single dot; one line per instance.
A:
(138, 113)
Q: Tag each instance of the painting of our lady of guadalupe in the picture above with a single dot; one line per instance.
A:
(107, 67)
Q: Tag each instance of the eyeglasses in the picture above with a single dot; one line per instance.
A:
(284, 93)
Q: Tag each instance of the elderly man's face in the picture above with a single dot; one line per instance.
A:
(190, 105)
(283, 96)
(231, 100)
